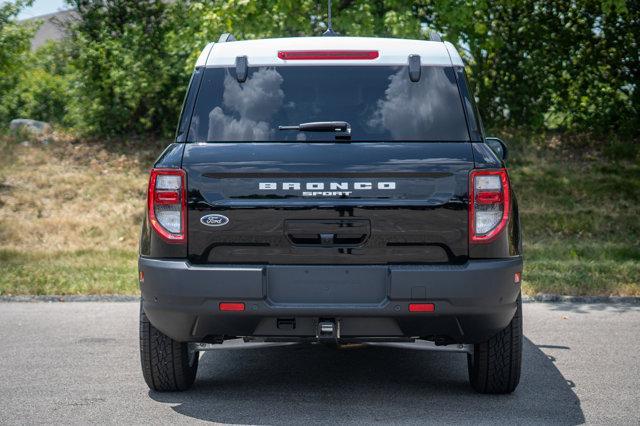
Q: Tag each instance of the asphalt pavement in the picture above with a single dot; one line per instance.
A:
(79, 363)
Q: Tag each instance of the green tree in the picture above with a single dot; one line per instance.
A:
(43, 88)
(559, 63)
(127, 77)
(15, 43)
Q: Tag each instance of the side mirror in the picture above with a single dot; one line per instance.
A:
(498, 147)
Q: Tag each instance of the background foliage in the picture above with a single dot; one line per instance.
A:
(567, 64)
(561, 64)
(15, 42)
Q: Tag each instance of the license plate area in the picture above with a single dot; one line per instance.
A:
(326, 284)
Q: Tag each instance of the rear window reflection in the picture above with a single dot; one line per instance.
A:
(381, 103)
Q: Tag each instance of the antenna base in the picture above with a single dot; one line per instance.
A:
(329, 32)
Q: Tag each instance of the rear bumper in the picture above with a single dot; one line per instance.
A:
(472, 301)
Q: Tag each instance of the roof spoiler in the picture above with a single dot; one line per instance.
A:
(226, 37)
(435, 36)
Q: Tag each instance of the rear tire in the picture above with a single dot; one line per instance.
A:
(167, 365)
(494, 367)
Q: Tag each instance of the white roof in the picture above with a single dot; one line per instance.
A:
(391, 51)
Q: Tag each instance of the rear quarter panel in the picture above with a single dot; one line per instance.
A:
(151, 244)
(509, 242)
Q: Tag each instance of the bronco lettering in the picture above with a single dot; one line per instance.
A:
(320, 186)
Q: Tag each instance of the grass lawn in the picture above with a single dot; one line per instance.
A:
(581, 220)
(69, 272)
(70, 217)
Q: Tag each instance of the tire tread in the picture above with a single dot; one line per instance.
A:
(496, 364)
(165, 362)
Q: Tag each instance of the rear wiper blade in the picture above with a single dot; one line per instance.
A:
(320, 126)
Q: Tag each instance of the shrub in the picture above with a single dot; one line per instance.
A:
(15, 42)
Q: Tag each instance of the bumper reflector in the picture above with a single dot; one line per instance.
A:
(422, 307)
(232, 306)
(517, 277)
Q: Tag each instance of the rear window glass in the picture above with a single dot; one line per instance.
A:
(380, 103)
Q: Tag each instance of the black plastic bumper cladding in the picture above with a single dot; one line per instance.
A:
(473, 301)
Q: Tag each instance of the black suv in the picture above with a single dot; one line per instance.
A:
(335, 190)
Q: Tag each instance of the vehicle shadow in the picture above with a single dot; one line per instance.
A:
(317, 384)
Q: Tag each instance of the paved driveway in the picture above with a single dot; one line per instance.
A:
(78, 363)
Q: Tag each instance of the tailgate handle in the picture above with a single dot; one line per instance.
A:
(327, 239)
(327, 233)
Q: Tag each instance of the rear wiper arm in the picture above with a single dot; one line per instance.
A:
(321, 126)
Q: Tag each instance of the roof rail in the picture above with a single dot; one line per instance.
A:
(226, 37)
(434, 36)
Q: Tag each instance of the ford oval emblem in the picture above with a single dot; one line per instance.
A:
(214, 220)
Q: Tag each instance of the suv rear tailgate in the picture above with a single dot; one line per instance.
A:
(328, 203)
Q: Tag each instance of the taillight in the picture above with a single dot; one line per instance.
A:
(307, 55)
(488, 204)
(167, 204)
